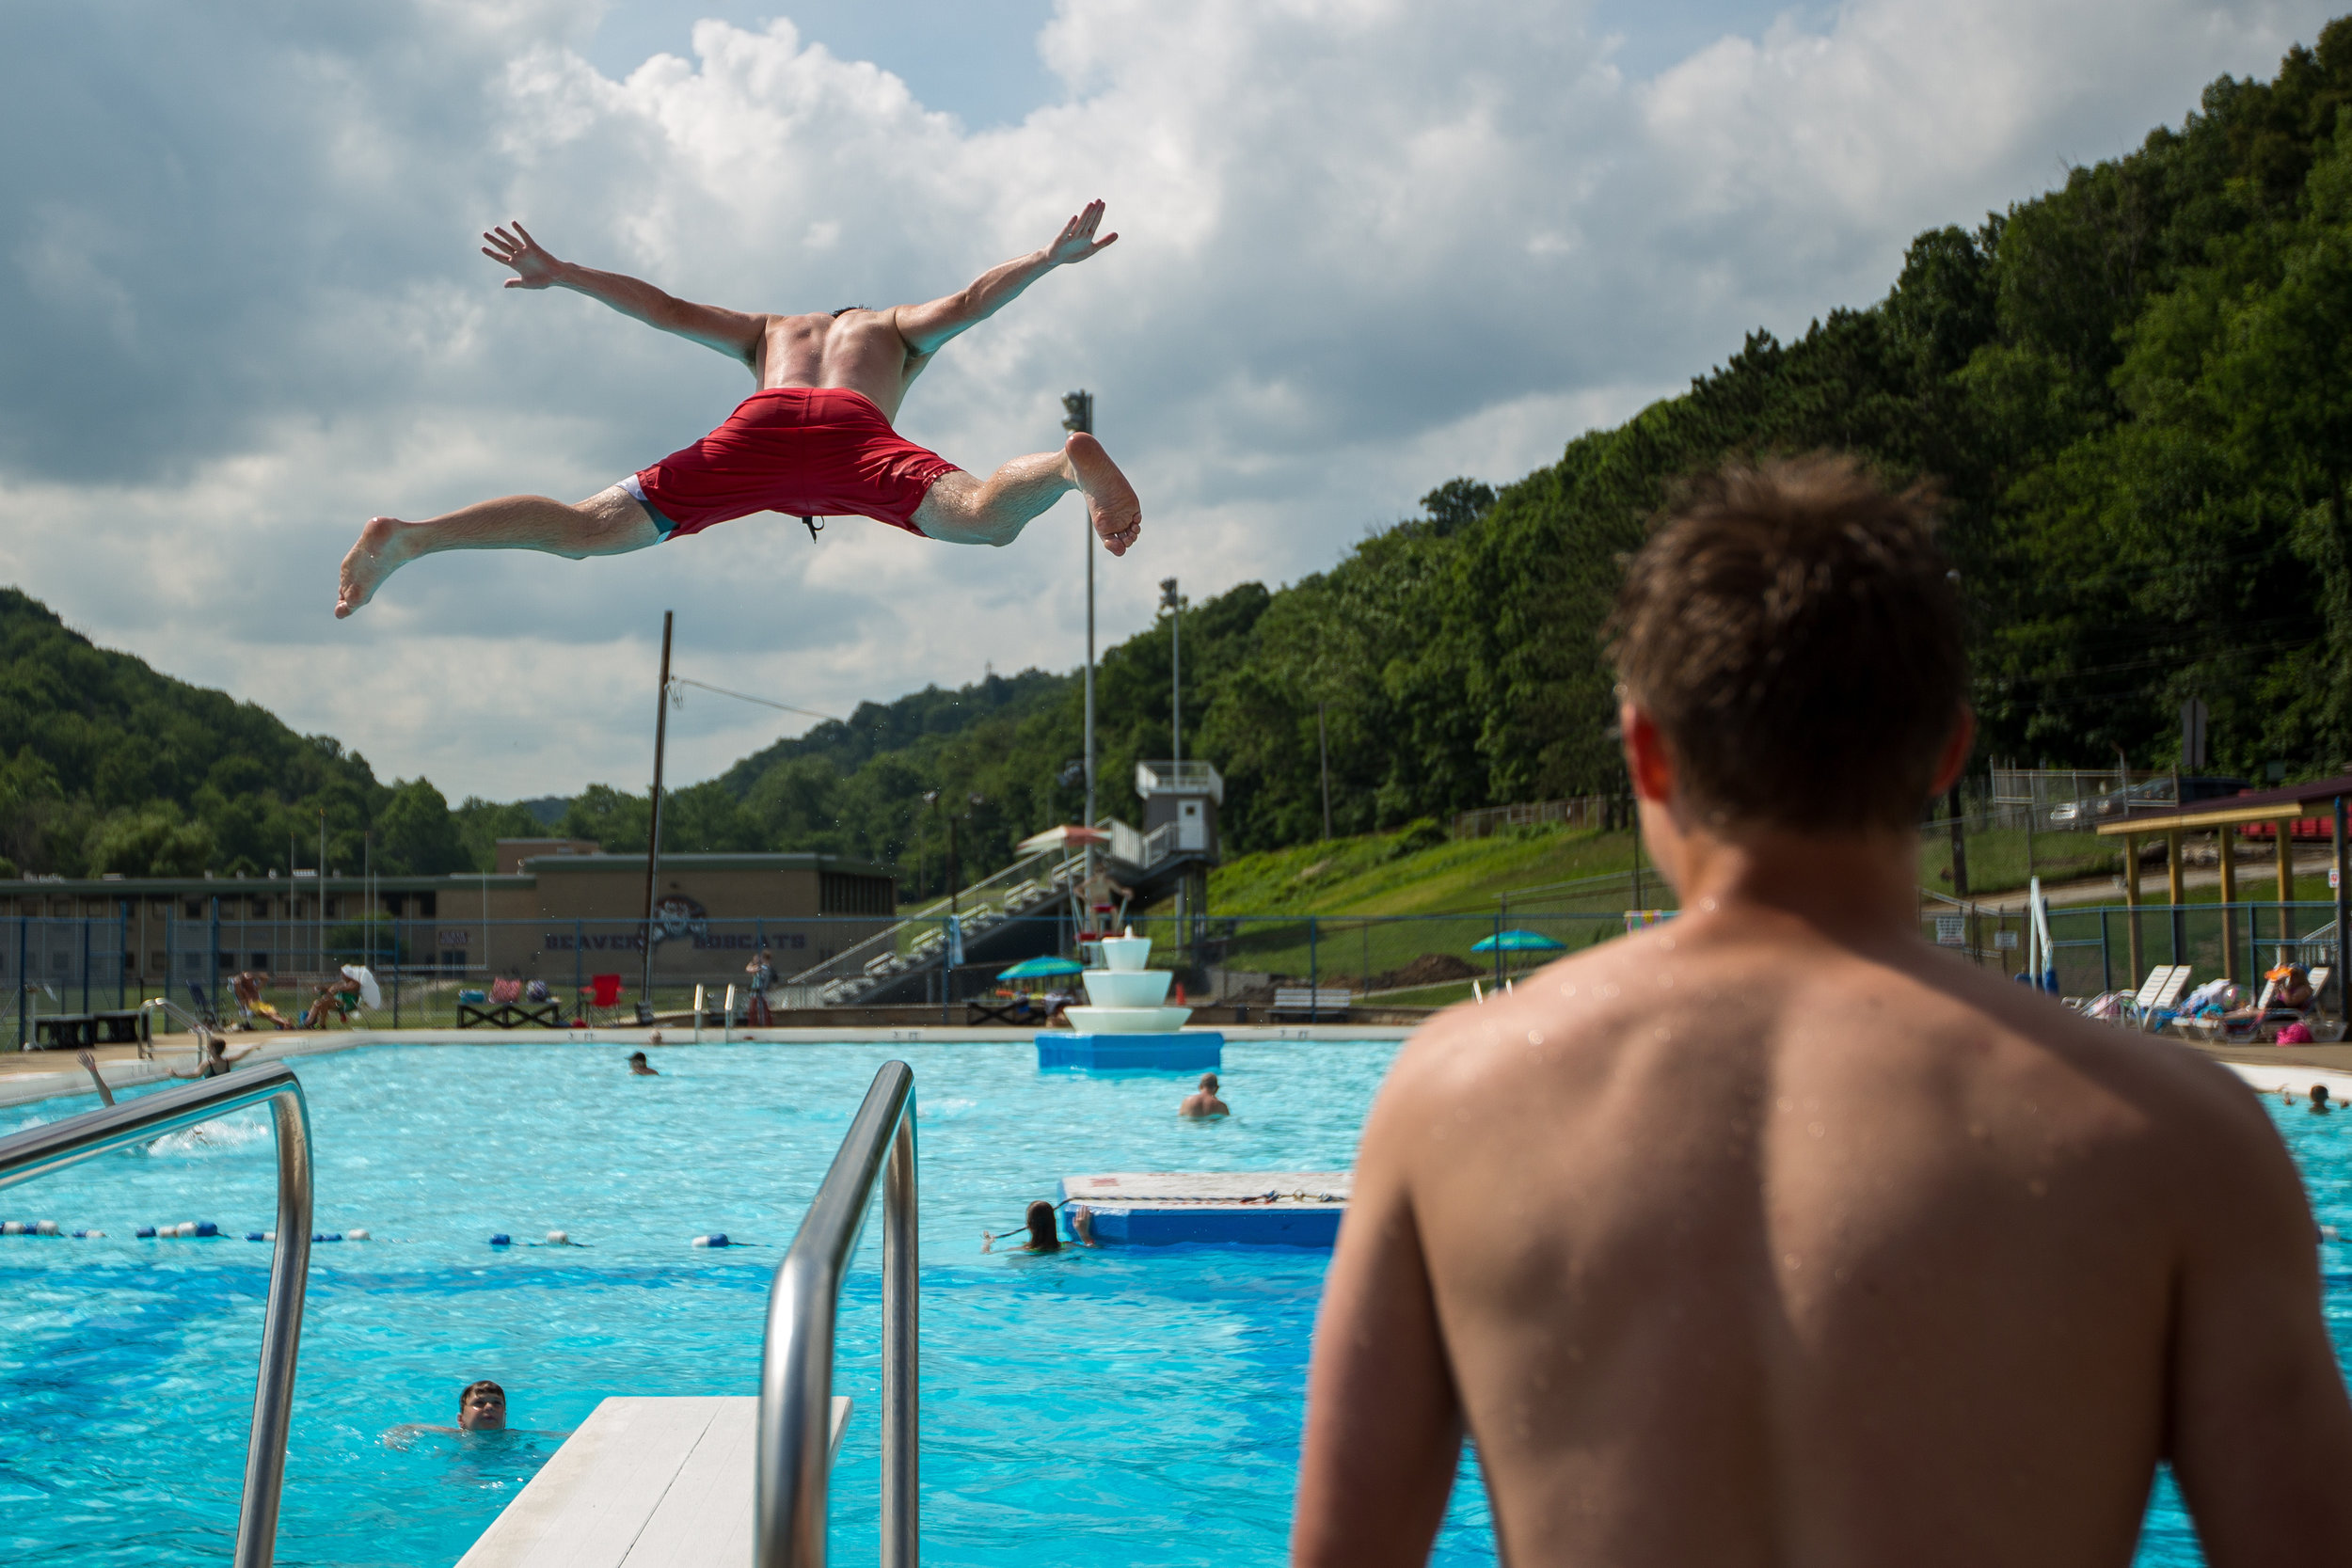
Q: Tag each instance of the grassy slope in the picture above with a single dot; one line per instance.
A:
(1392, 873)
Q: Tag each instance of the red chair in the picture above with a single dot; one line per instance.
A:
(602, 994)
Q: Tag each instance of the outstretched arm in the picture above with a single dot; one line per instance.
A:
(926, 327)
(731, 332)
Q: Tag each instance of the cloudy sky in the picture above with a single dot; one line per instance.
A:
(1366, 245)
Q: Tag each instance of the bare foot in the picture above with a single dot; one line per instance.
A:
(1111, 502)
(371, 561)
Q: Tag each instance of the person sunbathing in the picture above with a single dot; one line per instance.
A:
(338, 998)
(816, 439)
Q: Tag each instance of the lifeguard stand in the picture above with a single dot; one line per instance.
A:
(1180, 802)
(1182, 797)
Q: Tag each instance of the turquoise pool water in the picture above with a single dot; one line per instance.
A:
(1104, 1407)
(1111, 1408)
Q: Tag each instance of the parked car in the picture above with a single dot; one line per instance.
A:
(2147, 795)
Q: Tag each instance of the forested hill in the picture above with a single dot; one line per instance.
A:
(107, 766)
(2135, 390)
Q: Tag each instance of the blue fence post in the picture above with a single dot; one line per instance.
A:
(86, 963)
(2107, 961)
(392, 961)
(213, 963)
(122, 949)
(579, 940)
(24, 982)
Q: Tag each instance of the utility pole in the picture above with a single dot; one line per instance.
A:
(1323, 745)
(1173, 603)
(1078, 415)
(653, 834)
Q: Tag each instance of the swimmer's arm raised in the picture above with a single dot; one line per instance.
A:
(1384, 1424)
(927, 327)
(2259, 1430)
(733, 333)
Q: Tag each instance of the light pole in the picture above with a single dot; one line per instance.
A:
(1174, 604)
(1078, 415)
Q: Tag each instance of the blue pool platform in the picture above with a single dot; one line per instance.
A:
(1258, 1207)
(1191, 1051)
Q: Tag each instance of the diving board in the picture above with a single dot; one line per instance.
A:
(644, 1484)
(1261, 1208)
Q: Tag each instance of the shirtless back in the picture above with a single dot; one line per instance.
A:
(1774, 1236)
(859, 349)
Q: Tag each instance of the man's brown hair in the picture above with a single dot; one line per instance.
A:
(468, 1391)
(1795, 634)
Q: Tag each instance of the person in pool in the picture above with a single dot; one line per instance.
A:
(816, 439)
(1039, 1224)
(1937, 1273)
(640, 1068)
(2319, 1101)
(1203, 1102)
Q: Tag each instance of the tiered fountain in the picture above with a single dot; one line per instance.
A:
(1127, 1021)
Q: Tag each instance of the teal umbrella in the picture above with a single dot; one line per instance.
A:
(1037, 969)
(1519, 942)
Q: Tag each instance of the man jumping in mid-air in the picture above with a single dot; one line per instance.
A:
(815, 440)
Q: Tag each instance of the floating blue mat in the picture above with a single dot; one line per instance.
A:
(1235, 1208)
(1193, 1051)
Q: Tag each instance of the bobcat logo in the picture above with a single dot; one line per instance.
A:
(678, 916)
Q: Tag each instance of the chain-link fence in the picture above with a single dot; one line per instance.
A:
(2093, 951)
(433, 975)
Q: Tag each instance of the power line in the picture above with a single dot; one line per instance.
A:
(747, 697)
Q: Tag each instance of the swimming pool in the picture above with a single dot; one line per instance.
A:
(1105, 1407)
(1109, 1408)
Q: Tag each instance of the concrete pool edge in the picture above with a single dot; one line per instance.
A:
(29, 1082)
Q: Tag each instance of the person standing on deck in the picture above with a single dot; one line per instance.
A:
(1774, 1236)
(815, 440)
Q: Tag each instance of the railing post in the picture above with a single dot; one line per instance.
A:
(902, 1452)
(797, 1356)
(86, 963)
(24, 982)
(38, 1150)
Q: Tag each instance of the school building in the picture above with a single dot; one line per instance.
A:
(551, 910)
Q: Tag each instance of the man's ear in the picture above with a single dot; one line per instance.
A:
(1956, 750)
(1646, 758)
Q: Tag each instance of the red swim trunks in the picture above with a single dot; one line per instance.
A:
(808, 452)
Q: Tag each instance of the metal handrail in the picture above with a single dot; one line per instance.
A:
(796, 1363)
(38, 1150)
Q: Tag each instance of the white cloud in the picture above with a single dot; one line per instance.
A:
(1365, 246)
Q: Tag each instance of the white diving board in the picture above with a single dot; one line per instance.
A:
(644, 1484)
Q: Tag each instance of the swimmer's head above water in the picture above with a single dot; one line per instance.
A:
(847, 309)
(482, 1407)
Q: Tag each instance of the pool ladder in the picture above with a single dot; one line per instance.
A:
(804, 1302)
(796, 1362)
(38, 1150)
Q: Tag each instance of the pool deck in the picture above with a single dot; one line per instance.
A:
(31, 1075)
(644, 1484)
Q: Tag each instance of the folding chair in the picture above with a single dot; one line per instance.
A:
(602, 995)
